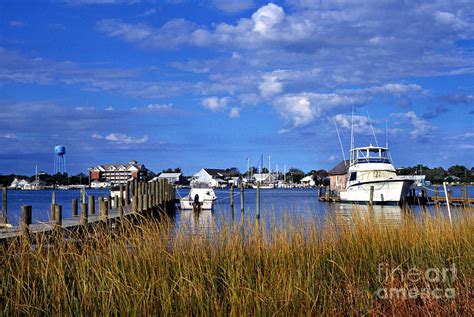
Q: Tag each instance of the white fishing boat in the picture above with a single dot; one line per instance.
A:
(201, 198)
(371, 167)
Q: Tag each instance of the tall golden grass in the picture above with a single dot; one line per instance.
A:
(149, 268)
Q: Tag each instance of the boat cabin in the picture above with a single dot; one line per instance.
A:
(370, 154)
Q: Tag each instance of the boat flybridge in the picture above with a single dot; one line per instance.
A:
(371, 167)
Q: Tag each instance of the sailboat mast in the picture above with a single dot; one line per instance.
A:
(352, 137)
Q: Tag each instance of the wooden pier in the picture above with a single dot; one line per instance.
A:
(438, 197)
(135, 198)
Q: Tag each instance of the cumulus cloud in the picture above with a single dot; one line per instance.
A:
(234, 112)
(300, 109)
(120, 138)
(215, 103)
(16, 24)
(271, 84)
(148, 13)
(420, 128)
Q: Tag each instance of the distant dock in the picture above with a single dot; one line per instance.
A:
(437, 197)
(133, 199)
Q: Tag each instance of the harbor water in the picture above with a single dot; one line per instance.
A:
(277, 205)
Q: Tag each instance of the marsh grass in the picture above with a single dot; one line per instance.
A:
(149, 268)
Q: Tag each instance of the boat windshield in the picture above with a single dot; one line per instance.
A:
(371, 155)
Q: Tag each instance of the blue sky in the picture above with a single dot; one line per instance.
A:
(211, 83)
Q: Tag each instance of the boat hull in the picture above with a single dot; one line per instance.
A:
(188, 204)
(385, 191)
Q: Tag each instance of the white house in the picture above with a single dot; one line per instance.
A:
(172, 178)
(308, 181)
(211, 177)
(35, 185)
(19, 184)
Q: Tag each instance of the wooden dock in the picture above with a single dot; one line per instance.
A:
(438, 197)
(135, 198)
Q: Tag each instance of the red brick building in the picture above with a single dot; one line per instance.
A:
(118, 173)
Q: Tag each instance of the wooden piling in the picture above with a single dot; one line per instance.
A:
(101, 205)
(74, 207)
(140, 203)
(232, 200)
(53, 198)
(116, 202)
(104, 209)
(58, 214)
(121, 202)
(52, 212)
(4, 206)
(127, 194)
(242, 207)
(91, 205)
(134, 204)
(109, 202)
(371, 199)
(328, 193)
(26, 220)
(84, 215)
(258, 200)
(436, 198)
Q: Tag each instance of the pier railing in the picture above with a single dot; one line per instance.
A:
(133, 199)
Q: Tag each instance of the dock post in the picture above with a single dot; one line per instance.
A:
(104, 210)
(74, 207)
(134, 204)
(84, 215)
(320, 192)
(371, 200)
(91, 205)
(53, 198)
(58, 215)
(437, 195)
(465, 200)
(25, 220)
(258, 200)
(4, 205)
(127, 194)
(328, 194)
(140, 203)
(109, 202)
(116, 202)
(232, 200)
(242, 207)
(121, 196)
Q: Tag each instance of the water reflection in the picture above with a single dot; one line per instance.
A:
(348, 214)
(197, 223)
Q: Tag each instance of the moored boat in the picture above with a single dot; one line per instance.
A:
(372, 177)
(201, 198)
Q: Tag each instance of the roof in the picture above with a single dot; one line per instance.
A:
(216, 172)
(340, 169)
(119, 166)
(307, 178)
(169, 175)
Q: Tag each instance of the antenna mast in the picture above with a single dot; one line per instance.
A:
(351, 155)
(340, 143)
(372, 127)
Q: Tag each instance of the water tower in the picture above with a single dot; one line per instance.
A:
(59, 159)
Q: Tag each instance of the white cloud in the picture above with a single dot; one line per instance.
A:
(120, 138)
(148, 13)
(271, 84)
(234, 112)
(215, 103)
(361, 123)
(8, 136)
(419, 127)
(301, 109)
(109, 108)
(296, 110)
(266, 17)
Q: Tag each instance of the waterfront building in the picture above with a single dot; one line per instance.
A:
(308, 181)
(172, 178)
(212, 177)
(19, 183)
(118, 173)
(338, 176)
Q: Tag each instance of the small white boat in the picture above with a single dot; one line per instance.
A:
(198, 198)
(371, 167)
(264, 186)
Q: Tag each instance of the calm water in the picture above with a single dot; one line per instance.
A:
(276, 204)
